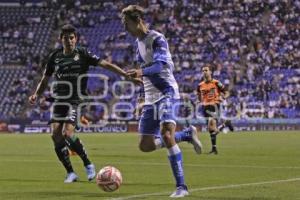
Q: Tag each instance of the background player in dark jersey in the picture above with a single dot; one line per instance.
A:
(69, 65)
(211, 92)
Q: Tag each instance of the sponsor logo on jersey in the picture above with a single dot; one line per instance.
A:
(61, 75)
(57, 60)
(96, 57)
(76, 57)
(56, 68)
(75, 66)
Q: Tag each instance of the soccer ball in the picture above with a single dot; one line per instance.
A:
(109, 178)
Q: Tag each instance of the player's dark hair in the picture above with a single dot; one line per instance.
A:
(68, 29)
(134, 12)
(210, 67)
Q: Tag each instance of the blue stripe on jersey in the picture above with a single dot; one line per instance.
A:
(161, 84)
(160, 49)
(155, 68)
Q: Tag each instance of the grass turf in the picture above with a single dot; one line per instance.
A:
(250, 166)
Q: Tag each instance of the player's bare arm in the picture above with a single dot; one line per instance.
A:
(114, 68)
(40, 89)
(135, 73)
(199, 96)
(225, 94)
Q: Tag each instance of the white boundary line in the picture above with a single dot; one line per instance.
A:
(166, 164)
(209, 188)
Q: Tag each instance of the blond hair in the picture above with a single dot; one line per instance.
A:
(134, 12)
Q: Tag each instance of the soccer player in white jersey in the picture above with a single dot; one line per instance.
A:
(157, 124)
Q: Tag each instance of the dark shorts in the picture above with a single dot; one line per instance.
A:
(64, 112)
(212, 111)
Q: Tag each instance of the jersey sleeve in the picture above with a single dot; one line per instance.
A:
(49, 66)
(155, 68)
(91, 59)
(160, 49)
(220, 86)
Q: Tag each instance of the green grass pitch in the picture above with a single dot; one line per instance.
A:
(250, 166)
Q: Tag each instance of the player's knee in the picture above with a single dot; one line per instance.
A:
(167, 129)
(212, 126)
(145, 147)
(147, 143)
(68, 132)
(58, 141)
(167, 137)
(57, 136)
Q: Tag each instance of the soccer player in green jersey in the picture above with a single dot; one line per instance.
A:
(68, 65)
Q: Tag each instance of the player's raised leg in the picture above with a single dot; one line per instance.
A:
(189, 135)
(151, 138)
(226, 123)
